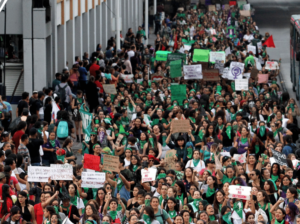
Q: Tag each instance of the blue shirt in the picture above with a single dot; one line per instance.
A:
(287, 150)
(83, 73)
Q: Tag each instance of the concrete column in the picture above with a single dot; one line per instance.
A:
(104, 25)
(78, 36)
(117, 19)
(70, 34)
(86, 31)
(40, 61)
(61, 48)
(146, 19)
(92, 30)
(99, 24)
(53, 43)
(131, 5)
(123, 15)
(111, 8)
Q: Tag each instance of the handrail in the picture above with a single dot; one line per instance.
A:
(16, 86)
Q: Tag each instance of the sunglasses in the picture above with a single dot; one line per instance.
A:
(151, 160)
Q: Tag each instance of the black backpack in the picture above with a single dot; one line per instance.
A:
(62, 93)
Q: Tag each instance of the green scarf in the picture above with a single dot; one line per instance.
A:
(284, 188)
(274, 178)
(276, 222)
(52, 142)
(228, 131)
(201, 134)
(227, 218)
(130, 106)
(262, 207)
(147, 202)
(220, 127)
(192, 119)
(233, 116)
(238, 208)
(119, 184)
(262, 130)
(180, 198)
(148, 102)
(189, 152)
(232, 86)
(164, 137)
(196, 162)
(226, 179)
(244, 140)
(196, 203)
(68, 209)
(212, 217)
(142, 143)
(235, 127)
(74, 200)
(210, 192)
(151, 140)
(172, 214)
(134, 168)
(256, 149)
(124, 141)
(113, 214)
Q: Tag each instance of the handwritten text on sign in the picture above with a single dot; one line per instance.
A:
(279, 157)
(92, 179)
(180, 126)
(62, 172)
(111, 163)
(240, 192)
(148, 175)
(39, 173)
(211, 75)
(192, 71)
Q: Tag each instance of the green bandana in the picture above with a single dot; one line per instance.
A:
(196, 162)
(151, 140)
(164, 137)
(142, 143)
(196, 203)
(274, 178)
(147, 202)
(113, 214)
(210, 192)
(74, 200)
(97, 121)
(284, 188)
(227, 218)
(262, 130)
(119, 184)
(192, 119)
(201, 134)
(228, 131)
(130, 106)
(244, 140)
(238, 208)
(134, 167)
(180, 198)
(226, 179)
(52, 142)
(256, 149)
(147, 219)
(276, 222)
(189, 152)
(235, 127)
(172, 214)
(186, 106)
(275, 133)
(212, 217)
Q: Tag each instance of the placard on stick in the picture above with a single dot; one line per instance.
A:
(279, 157)
(111, 163)
(110, 88)
(211, 75)
(170, 161)
(180, 126)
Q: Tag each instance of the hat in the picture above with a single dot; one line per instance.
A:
(5, 134)
(160, 176)
(152, 157)
(35, 92)
(2, 175)
(106, 150)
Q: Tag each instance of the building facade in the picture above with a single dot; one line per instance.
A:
(44, 36)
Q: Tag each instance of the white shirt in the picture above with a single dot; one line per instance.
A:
(248, 37)
(126, 162)
(130, 54)
(200, 166)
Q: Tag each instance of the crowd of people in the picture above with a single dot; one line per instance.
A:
(231, 139)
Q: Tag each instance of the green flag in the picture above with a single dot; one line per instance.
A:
(178, 93)
(176, 56)
(201, 55)
(162, 55)
(86, 117)
(175, 68)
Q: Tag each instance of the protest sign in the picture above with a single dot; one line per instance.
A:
(211, 8)
(127, 78)
(211, 75)
(257, 63)
(254, 73)
(227, 51)
(232, 3)
(170, 161)
(162, 55)
(185, 48)
(220, 66)
(225, 73)
(247, 7)
(241, 4)
(157, 76)
(247, 75)
(204, 65)
(263, 78)
(295, 163)
(110, 88)
(86, 118)
(201, 55)
(240, 158)
(175, 68)
(226, 7)
(236, 70)
(213, 32)
(91, 162)
(220, 56)
(119, 139)
(110, 163)
(251, 48)
(218, 7)
(62, 172)
(178, 92)
(225, 154)
(176, 56)
(180, 126)
(241, 84)
(148, 175)
(279, 157)
(92, 179)
(245, 13)
(271, 65)
(192, 71)
(259, 47)
(39, 173)
(240, 192)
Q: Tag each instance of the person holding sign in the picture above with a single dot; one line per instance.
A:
(117, 216)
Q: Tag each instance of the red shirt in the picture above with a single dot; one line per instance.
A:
(93, 69)
(99, 85)
(16, 138)
(39, 213)
(9, 205)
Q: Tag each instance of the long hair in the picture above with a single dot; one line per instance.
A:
(182, 188)
(216, 203)
(24, 194)
(150, 212)
(94, 215)
(5, 196)
(138, 162)
(176, 207)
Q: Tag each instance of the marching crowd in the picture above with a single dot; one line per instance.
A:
(237, 163)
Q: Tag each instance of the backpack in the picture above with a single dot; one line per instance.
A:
(161, 214)
(62, 129)
(62, 92)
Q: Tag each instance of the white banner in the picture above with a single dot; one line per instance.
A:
(240, 192)
(39, 173)
(251, 48)
(127, 78)
(236, 70)
(246, 7)
(62, 172)
(227, 51)
(259, 47)
(220, 56)
(192, 71)
(185, 48)
(148, 175)
(240, 157)
(258, 64)
(271, 65)
(241, 84)
(92, 180)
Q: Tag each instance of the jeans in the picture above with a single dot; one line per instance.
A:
(46, 162)
(75, 87)
(35, 164)
(227, 149)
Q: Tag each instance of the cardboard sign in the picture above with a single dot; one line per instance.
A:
(245, 13)
(170, 161)
(92, 179)
(236, 70)
(226, 7)
(211, 8)
(239, 192)
(254, 73)
(211, 75)
(192, 71)
(240, 157)
(204, 65)
(220, 56)
(271, 65)
(91, 162)
(263, 78)
(62, 172)
(119, 139)
(148, 175)
(180, 126)
(39, 173)
(279, 157)
(110, 88)
(241, 84)
(111, 163)
(178, 92)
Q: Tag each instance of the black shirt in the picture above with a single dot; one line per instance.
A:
(22, 104)
(34, 149)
